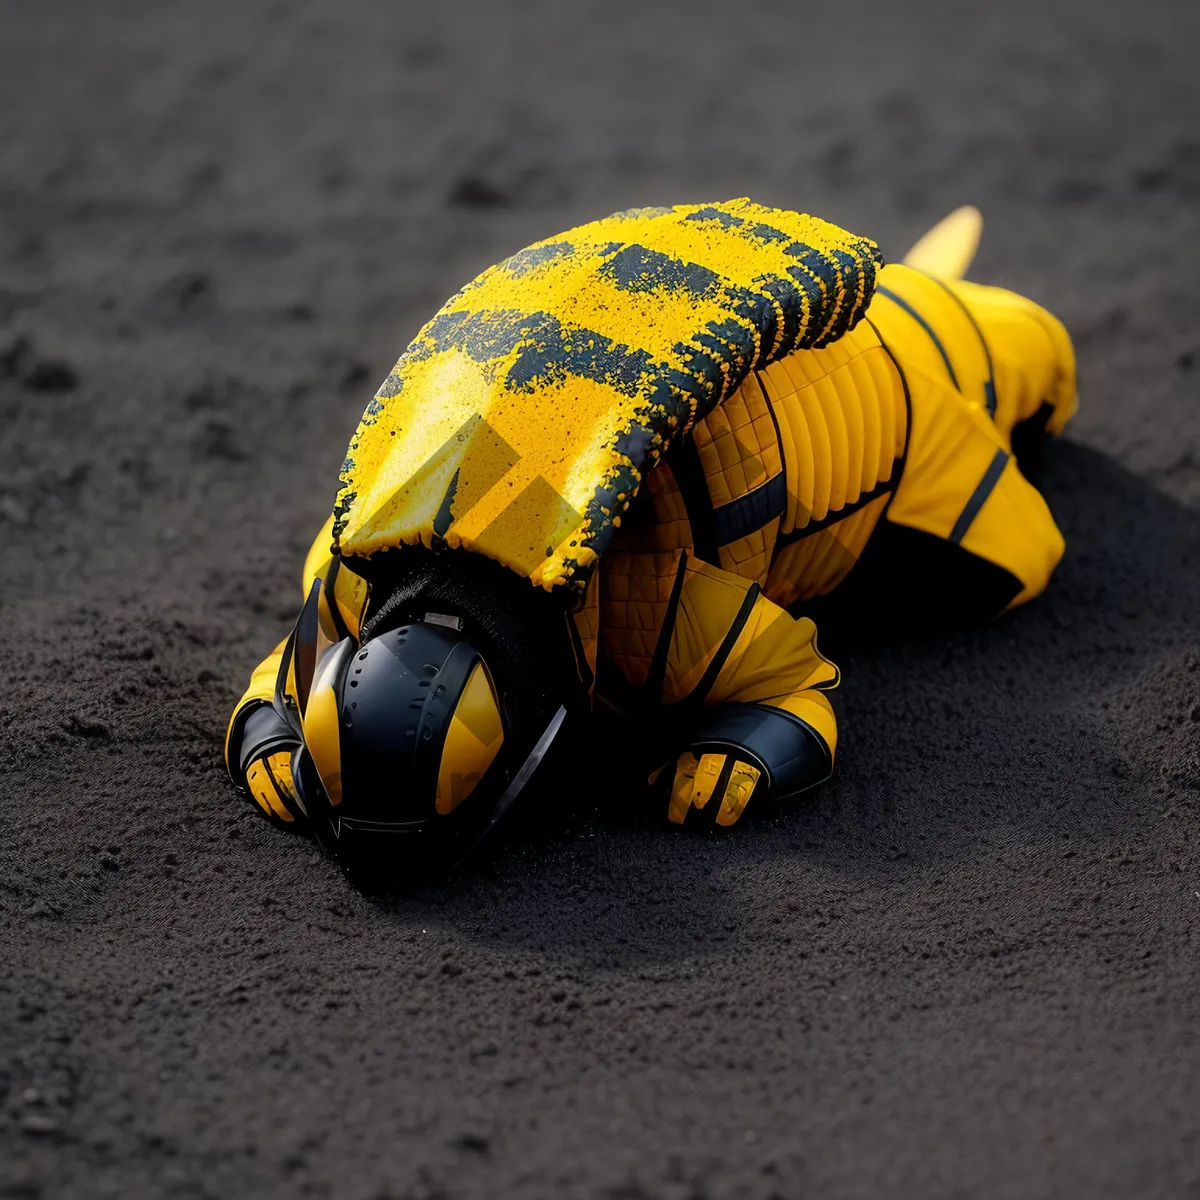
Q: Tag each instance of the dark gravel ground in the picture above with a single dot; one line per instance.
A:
(969, 968)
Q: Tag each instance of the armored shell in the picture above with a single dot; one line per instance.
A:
(522, 419)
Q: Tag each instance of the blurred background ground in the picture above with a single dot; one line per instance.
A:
(967, 968)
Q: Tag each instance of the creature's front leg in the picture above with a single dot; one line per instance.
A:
(746, 682)
(259, 746)
(259, 743)
(740, 750)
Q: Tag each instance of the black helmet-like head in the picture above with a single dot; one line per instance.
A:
(418, 738)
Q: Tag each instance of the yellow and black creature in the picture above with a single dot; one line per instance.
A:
(608, 477)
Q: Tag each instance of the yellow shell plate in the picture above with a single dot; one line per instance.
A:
(523, 417)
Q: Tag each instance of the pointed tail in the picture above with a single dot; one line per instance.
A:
(947, 249)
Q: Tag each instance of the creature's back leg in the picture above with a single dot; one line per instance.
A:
(966, 535)
(1033, 361)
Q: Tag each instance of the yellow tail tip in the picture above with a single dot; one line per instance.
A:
(948, 248)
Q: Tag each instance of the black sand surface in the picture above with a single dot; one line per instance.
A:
(969, 968)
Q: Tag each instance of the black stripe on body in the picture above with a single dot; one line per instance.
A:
(898, 464)
(900, 302)
(684, 461)
(989, 384)
(335, 613)
(750, 512)
(696, 697)
(283, 703)
(880, 489)
(778, 438)
(982, 491)
(658, 664)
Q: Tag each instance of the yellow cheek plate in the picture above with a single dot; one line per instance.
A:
(473, 740)
(523, 417)
(322, 732)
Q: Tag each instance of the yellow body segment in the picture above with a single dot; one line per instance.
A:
(978, 361)
(952, 444)
(708, 604)
(1031, 355)
(775, 661)
(1016, 526)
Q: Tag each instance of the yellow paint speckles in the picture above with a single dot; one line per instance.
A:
(583, 356)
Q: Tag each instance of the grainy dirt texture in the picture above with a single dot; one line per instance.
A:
(969, 967)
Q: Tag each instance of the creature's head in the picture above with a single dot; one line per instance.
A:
(419, 736)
